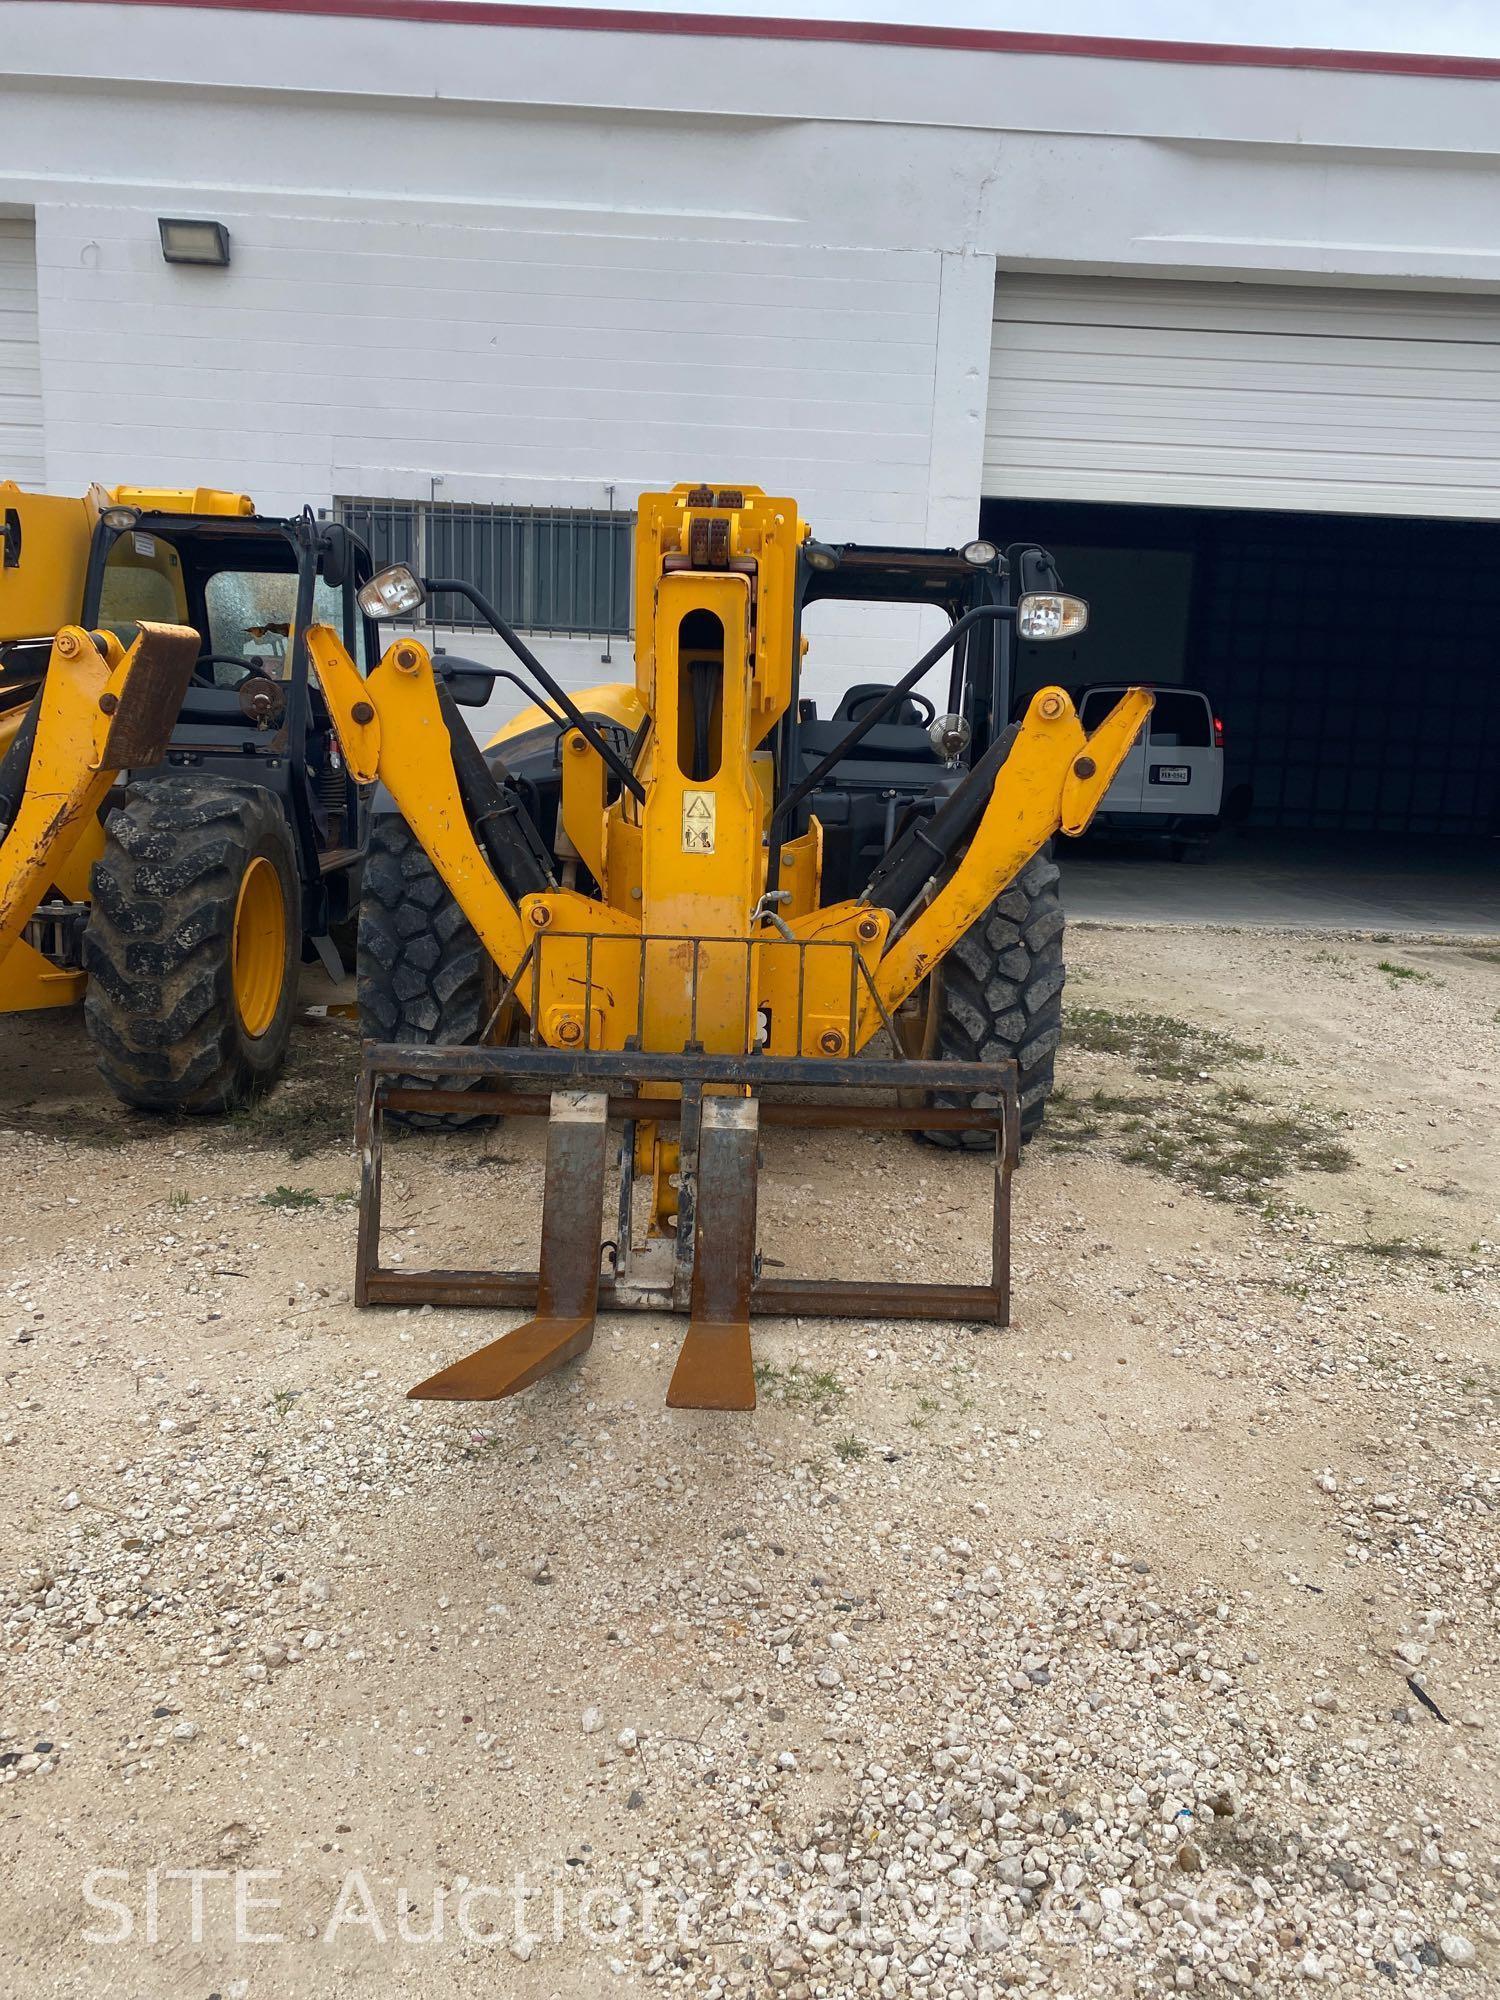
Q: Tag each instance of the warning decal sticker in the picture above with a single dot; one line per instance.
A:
(699, 815)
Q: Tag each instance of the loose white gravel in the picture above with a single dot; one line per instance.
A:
(1147, 1648)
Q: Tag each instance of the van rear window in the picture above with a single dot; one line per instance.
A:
(1181, 720)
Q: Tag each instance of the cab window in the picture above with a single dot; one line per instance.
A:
(250, 616)
(142, 579)
(1181, 721)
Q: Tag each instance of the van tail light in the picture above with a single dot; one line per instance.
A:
(1218, 732)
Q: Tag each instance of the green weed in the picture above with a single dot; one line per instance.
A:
(798, 1386)
(291, 1197)
(1157, 1045)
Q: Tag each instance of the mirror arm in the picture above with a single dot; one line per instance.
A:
(502, 674)
(435, 584)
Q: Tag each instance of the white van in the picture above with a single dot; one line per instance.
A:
(1172, 779)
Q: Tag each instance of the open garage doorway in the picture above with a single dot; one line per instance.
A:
(1354, 662)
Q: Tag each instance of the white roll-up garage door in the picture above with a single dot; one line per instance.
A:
(1229, 395)
(20, 358)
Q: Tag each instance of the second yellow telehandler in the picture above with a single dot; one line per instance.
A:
(178, 830)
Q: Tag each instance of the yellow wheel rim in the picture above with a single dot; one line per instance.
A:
(259, 946)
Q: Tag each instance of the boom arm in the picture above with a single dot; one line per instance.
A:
(100, 710)
(588, 987)
(1053, 778)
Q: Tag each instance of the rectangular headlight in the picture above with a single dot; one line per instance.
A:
(392, 593)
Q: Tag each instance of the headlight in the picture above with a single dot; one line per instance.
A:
(980, 553)
(121, 519)
(391, 593)
(820, 556)
(1043, 615)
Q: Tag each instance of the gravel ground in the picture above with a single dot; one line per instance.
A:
(1148, 1647)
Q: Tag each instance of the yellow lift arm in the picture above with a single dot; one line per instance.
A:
(392, 729)
(100, 710)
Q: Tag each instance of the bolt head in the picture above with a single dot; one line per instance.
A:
(407, 658)
(868, 928)
(67, 645)
(1084, 767)
(541, 916)
(569, 1032)
(108, 703)
(362, 712)
(830, 1041)
(1052, 706)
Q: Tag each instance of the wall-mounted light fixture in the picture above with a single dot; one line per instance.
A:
(184, 241)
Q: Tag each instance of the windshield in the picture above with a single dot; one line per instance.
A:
(250, 615)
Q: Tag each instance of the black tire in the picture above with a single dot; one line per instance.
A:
(161, 1007)
(422, 974)
(1000, 995)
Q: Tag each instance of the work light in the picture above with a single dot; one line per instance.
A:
(1047, 615)
(391, 593)
(186, 241)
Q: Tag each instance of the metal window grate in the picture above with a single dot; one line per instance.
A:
(561, 571)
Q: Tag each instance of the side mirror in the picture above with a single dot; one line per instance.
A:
(333, 555)
(392, 593)
(469, 683)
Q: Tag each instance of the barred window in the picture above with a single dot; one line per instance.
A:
(562, 571)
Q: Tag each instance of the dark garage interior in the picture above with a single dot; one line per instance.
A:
(1355, 660)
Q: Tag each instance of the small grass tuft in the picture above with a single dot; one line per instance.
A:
(1157, 1045)
(291, 1197)
(282, 1401)
(1219, 1141)
(852, 1448)
(1397, 973)
(1400, 1248)
(798, 1386)
(311, 1108)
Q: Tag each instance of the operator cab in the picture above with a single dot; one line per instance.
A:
(247, 584)
(899, 766)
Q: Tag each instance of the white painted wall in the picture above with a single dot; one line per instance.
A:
(532, 263)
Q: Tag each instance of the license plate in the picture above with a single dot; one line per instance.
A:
(1170, 774)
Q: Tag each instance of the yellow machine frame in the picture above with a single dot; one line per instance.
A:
(99, 709)
(682, 876)
(681, 978)
(103, 709)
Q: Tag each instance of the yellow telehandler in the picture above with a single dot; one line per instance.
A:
(690, 890)
(174, 868)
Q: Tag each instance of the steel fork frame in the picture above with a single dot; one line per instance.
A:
(619, 1073)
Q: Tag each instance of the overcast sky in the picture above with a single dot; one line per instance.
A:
(1445, 27)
